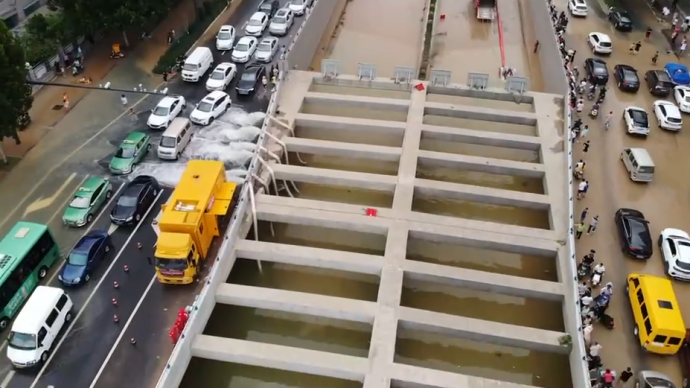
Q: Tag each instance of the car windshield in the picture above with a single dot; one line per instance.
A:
(80, 203)
(22, 341)
(599, 68)
(189, 67)
(127, 201)
(659, 383)
(264, 47)
(639, 117)
(249, 76)
(629, 76)
(168, 141)
(178, 264)
(605, 44)
(219, 75)
(161, 111)
(242, 47)
(638, 234)
(204, 106)
(225, 35)
(78, 258)
(124, 153)
(255, 22)
(280, 20)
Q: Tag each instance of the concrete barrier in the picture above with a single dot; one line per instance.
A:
(549, 55)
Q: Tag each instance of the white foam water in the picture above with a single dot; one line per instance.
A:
(229, 139)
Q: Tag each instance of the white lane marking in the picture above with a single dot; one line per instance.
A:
(93, 292)
(68, 157)
(122, 333)
(45, 202)
(62, 208)
(6, 381)
(113, 228)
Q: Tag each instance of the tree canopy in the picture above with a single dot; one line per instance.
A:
(15, 98)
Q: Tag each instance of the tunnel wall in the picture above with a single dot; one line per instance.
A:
(549, 55)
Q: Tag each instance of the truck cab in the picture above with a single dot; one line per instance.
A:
(486, 9)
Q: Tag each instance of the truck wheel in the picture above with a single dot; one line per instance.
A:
(43, 272)
(4, 322)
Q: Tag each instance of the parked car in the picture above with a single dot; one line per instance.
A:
(90, 251)
(682, 96)
(131, 151)
(636, 121)
(135, 200)
(578, 8)
(633, 232)
(659, 82)
(221, 76)
(167, 109)
(210, 108)
(675, 251)
(266, 50)
(678, 73)
(225, 38)
(620, 20)
(281, 23)
(600, 43)
(668, 115)
(257, 24)
(249, 79)
(299, 7)
(269, 7)
(627, 78)
(85, 202)
(244, 49)
(596, 70)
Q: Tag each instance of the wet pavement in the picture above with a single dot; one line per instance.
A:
(664, 201)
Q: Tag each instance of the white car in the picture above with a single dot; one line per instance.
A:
(221, 76)
(244, 49)
(682, 96)
(578, 8)
(281, 22)
(675, 250)
(210, 108)
(267, 50)
(225, 38)
(257, 24)
(668, 115)
(600, 43)
(167, 109)
(636, 121)
(299, 7)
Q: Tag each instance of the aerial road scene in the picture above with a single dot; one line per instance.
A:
(344, 193)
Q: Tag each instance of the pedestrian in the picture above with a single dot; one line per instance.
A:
(593, 225)
(150, 261)
(585, 301)
(638, 45)
(587, 334)
(579, 229)
(648, 33)
(674, 36)
(65, 101)
(584, 132)
(264, 81)
(607, 289)
(674, 21)
(165, 75)
(573, 135)
(631, 49)
(594, 349)
(582, 288)
(123, 100)
(655, 58)
(580, 105)
(683, 46)
(585, 147)
(586, 189)
(625, 376)
(583, 215)
(581, 189)
(536, 46)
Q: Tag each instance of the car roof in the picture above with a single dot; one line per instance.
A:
(627, 67)
(166, 101)
(86, 242)
(253, 69)
(676, 233)
(597, 60)
(246, 39)
(258, 15)
(225, 65)
(226, 28)
(269, 39)
(602, 36)
(134, 189)
(89, 186)
(282, 12)
(214, 95)
(36, 310)
(637, 108)
(674, 66)
(631, 212)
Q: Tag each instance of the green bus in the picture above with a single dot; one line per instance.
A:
(26, 254)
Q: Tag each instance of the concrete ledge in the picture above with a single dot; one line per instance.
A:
(480, 113)
(363, 102)
(476, 163)
(323, 176)
(496, 240)
(408, 376)
(470, 136)
(483, 94)
(484, 281)
(481, 194)
(481, 330)
(336, 123)
(348, 150)
(296, 302)
(311, 257)
(280, 357)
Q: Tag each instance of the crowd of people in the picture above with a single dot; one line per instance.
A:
(592, 306)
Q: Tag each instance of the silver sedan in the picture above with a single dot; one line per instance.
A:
(266, 50)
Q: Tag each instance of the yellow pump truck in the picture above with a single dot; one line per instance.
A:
(190, 221)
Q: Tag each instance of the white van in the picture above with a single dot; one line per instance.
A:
(37, 326)
(639, 164)
(197, 64)
(175, 139)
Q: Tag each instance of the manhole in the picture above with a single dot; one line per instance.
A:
(57, 107)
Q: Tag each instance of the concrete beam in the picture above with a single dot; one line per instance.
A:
(340, 124)
(296, 302)
(471, 136)
(363, 102)
(474, 112)
(280, 357)
(324, 176)
(483, 94)
(348, 150)
(484, 281)
(481, 330)
(481, 194)
(476, 163)
(408, 376)
(308, 256)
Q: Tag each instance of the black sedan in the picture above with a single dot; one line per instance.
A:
(597, 72)
(249, 79)
(627, 78)
(138, 196)
(633, 232)
(620, 20)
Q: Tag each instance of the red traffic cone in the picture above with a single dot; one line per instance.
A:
(116, 285)
(114, 302)
(138, 245)
(132, 341)
(126, 268)
(116, 319)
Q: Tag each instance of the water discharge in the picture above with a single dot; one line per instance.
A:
(231, 139)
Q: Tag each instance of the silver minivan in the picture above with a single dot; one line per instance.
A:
(175, 139)
(639, 164)
(281, 22)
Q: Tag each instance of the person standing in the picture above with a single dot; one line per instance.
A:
(683, 46)
(583, 215)
(587, 334)
(583, 132)
(638, 46)
(580, 105)
(648, 33)
(123, 100)
(65, 101)
(595, 349)
(581, 189)
(655, 58)
(593, 225)
(585, 147)
(579, 229)
(625, 376)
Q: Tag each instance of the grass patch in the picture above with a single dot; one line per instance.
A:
(206, 15)
(428, 36)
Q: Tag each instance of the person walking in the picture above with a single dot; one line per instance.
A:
(674, 36)
(586, 301)
(624, 377)
(585, 147)
(581, 187)
(583, 132)
(586, 189)
(595, 349)
(593, 225)
(580, 105)
(579, 229)
(655, 58)
(583, 215)
(65, 101)
(683, 46)
(648, 33)
(638, 45)
(608, 120)
(587, 334)
(123, 100)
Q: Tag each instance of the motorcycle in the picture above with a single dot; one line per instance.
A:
(579, 175)
(594, 112)
(583, 270)
(597, 277)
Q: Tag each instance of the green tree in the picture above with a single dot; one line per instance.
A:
(15, 98)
